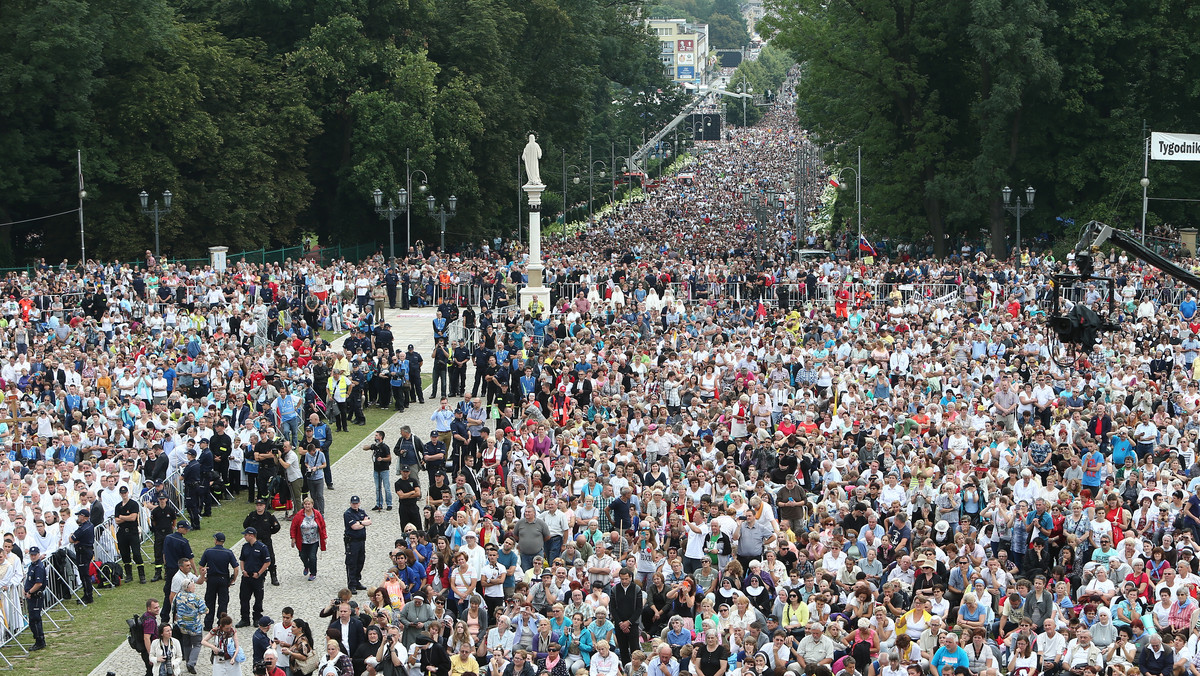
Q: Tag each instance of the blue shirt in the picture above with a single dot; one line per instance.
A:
(956, 658)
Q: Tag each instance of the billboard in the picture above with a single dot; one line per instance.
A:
(685, 73)
(1177, 147)
(687, 45)
(685, 59)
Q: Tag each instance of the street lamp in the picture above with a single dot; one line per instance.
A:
(857, 196)
(442, 214)
(405, 204)
(390, 212)
(591, 179)
(1017, 208)
(744, 91)
(155, 212)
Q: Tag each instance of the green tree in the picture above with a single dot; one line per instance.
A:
(725, 32)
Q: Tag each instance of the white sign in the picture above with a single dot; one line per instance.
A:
(1177, 147)
(685, 59)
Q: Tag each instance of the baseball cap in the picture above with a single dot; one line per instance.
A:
(219, 537)
(181, 524)
(354, 499)
(265, 621)
(250, 531)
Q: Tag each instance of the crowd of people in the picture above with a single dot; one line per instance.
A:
(676, 469)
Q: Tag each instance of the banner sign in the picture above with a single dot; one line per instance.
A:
(687, 45)
(685, 72)
(1177, 147)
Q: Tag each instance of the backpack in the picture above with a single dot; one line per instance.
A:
(134, 637)
(106, 575)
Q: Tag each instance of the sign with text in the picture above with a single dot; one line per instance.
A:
(685, 73)
(1177, 147)
(687, 45)
(685, 59)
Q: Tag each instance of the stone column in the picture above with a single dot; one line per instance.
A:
(535, 289)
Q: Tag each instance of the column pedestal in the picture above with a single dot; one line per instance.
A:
(536, 289)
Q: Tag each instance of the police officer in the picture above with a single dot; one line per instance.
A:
(398, 381)
(84, 539)
(221, 568)
(193, 475)
(35, 584)
(162, 522)
(416, 391)
(459, 359)
(356, 522)
(256, 559)
(384, 338)
(441, 363)
(207, 467)
(175, 549)
(265, 525)
(391, 279)
(129, 535)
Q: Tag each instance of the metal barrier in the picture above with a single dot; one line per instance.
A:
(13, 619)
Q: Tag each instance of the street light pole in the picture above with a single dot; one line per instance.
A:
(442, 214)
(406, 203)
(1018, 209)
(154, 212)
(1145, 182)
(390, 212)
(857, 195)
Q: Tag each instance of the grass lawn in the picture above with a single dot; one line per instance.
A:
(83, 643)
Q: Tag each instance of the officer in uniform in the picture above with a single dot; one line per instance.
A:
(265, 525)
(356, 522)
(459, 359)
(441, 362)
(390, 280)
(175, 548)
(384, 338)
(35, 584)
(207, 467)
(129, 535)
(416, 391)
(84, 539)
(162, 522)
(256, 559)
(193, 476)
(221, 569)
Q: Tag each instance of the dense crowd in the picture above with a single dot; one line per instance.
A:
(677, 470)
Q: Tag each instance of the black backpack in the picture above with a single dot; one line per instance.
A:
(135, 637)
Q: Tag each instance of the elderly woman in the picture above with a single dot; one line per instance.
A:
(605, 662)
(710, 658)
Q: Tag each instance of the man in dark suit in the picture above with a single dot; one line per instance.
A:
(350, 627)
(626, 607)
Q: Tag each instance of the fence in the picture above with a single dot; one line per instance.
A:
(352, 253)
(64, 582)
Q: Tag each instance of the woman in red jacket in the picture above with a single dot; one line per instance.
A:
(308, 531)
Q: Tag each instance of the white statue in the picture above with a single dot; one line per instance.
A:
(531, 155)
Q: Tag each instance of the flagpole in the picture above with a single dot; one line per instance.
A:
(82, 194)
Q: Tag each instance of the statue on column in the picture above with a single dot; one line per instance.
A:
(531, 155)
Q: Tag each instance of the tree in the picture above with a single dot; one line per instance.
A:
(725, 32)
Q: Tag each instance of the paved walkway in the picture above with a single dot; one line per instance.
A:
(354, 478)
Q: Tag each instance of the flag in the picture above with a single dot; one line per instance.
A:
(865, 246)
(833, 181)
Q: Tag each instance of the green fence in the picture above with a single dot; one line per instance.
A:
(352, 253)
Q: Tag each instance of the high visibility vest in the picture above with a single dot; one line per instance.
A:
(287, 407)
(340, 388)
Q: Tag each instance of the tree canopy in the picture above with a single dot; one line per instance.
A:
(952, 101)
(266, 117)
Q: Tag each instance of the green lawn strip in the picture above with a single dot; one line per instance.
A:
(85, 641)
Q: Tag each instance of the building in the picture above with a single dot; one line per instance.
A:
(683, 49)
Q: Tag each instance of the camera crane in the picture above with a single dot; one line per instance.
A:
(1080, 326)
